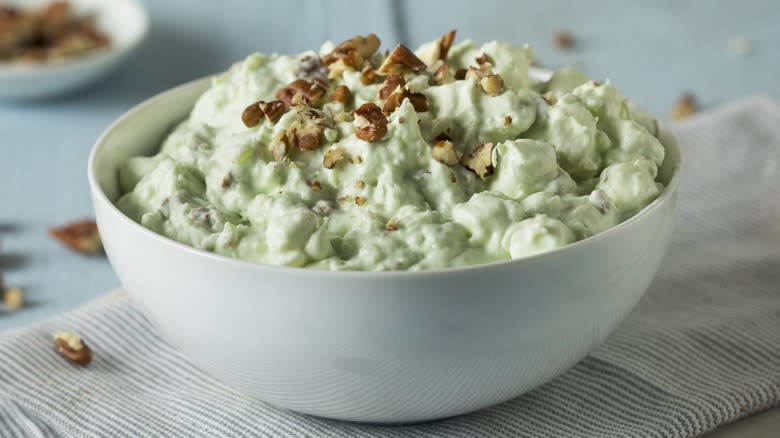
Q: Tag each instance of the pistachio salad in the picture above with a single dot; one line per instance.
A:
(356, 158)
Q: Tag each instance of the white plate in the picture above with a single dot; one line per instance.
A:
(124, 21)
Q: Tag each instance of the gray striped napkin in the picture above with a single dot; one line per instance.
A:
(701, 350)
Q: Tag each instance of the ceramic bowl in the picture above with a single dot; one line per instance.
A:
(124, 21)
(384, 347)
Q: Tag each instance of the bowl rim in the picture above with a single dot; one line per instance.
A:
(9, 70)
(99, 195)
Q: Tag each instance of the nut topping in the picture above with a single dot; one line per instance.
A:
(360, 201)
(392, 225)
(507, 121)
(391, 85)
(81, 236)
(302, 92)
(273, 110)
(364, 45)
(483, 59)
(445, 42)
(493, 85)
(444, 152)
(342, 95)
(367, 75)
(73, 348)
(401, 60)
(371, 123)
(333, 156)
(480, 161)
(279, 146)
(315, 185)
(394, 92)
(252, 115)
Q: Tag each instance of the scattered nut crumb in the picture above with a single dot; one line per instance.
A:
(483, 59)
(315, 185)
(357, 159)
(453, 179)
(227, 181)
(549, 98)
(445, 42)
(360, 184)
(73, 348)
(14, 298)
(507, 120)
(273, 110)
(684, 108)
(480, 161)
(370, 122)
(280, 146)
(360, 201)
(563, 40)
(460, 73)
(391, 225)
(81, 236)
(367, 75)
(344, 200)
(333, 156)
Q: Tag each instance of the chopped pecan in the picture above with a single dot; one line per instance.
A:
(367, 75)
(306, 131)
(460, 73)
(280, 146)
(371, 123)
(81, 236)
(274, 110)
(73, 348)
(507, 120)
(444, 152)
(391, 225)
(315, 185)
(445, 42)
(357, 159)
(549, 98)
(252, 114)
(344, 199)
(360, 184)
(333, 156)
(493, 85)
(484, 59)
(360, 201)
(363, 45)
(453, 179)
(443, 73)
(480, 161)
(227, 181)
(302, 92)
(312, 67)
(390, 85)
(342, 95)
(401, 60)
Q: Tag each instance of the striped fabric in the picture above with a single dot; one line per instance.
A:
(702, 349)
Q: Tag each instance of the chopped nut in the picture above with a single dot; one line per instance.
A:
(684, 108)
(480, 161)
(306, 131)
(401, 60)
(344, 199)
(484, 59)
(507, 120)
(315, 185)
(549, 98)
(333, 156)
(312, 67)
(492, 84)
(563, 39)
(357, 159)
(391, 225)
(460, 73)
(82, 236)
(253, 114)
(472, 74)
(445, 42)
(73, 348)
(364, 45)
(444, 152)
(302, 92)
(360, 184)
(227, 181)
(453, 179)
(285, 95)
(14, 299)
(280, 146)
(367, 75)
(274, 110)
(391, 85)
(371, 123)
(341, 94)
(360, 201)
(443, 74)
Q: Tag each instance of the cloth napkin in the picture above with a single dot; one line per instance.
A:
(702, 348)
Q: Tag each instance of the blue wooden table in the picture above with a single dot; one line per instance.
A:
(653, 51)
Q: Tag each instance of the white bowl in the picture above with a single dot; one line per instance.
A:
(124, 21)
(374, 347)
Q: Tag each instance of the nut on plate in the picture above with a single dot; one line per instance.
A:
(480, 161)
(73, 348)
(81, 236)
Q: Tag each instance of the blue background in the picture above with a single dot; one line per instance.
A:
(652, 50)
